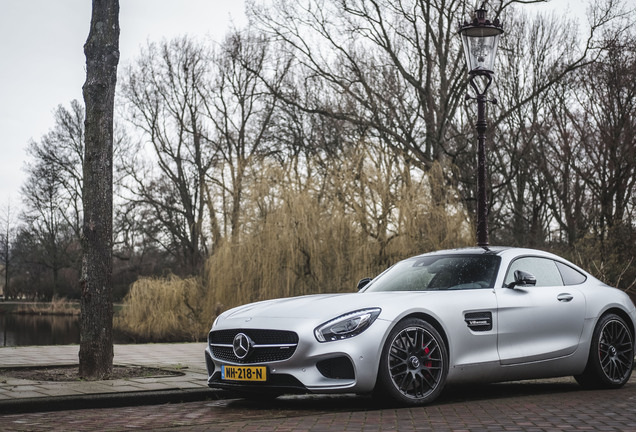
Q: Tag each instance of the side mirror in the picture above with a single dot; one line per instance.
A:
(523, 278)
(363, 282)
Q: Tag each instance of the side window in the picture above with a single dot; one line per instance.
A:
(570, 276)
(544, 269)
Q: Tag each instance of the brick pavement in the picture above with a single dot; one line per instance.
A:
(541, 405)
(545, 405)
(187, 358)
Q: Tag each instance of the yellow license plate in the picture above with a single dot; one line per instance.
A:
(244, 373)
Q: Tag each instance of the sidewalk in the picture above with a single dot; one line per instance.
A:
(21, 395)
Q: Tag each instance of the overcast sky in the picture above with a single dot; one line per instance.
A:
(43, 64)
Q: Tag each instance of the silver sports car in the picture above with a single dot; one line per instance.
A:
(455, 316)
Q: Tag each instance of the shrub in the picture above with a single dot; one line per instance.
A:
(163, 309)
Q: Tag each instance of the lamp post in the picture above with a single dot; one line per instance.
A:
(480, 38)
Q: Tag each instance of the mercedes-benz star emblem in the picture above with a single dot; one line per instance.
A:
(242, 345)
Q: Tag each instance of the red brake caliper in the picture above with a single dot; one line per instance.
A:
(429, 363)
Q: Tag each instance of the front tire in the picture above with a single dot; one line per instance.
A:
(611, 357)
(414, 364)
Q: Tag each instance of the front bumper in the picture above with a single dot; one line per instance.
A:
(345, 366)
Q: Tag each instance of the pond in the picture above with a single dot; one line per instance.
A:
(23, 330)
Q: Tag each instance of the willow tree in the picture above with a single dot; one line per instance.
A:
(96, 323)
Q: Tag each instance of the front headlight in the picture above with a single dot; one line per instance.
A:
(216, 321)
(347, 325)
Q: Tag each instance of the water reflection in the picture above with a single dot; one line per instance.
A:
(21, 330)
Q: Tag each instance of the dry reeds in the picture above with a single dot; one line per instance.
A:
(57, 306)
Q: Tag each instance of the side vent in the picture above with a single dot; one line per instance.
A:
(479, 321)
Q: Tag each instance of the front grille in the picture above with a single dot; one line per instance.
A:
(259, 336)
(260, 355)
(269, 345)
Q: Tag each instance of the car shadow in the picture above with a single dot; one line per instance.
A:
(465, 393)
(452, 394)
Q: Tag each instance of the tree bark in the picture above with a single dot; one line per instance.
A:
(96, 323)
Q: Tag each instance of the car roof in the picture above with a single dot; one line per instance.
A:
(476, 250)
(504, 250)
(496, 250)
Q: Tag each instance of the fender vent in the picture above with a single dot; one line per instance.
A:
(479, 321)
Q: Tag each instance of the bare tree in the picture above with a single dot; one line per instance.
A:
(518, 187)
(46, 217)
(102, 57)
(8, 226)
(556, 157)
(587, 145)
(164, 91)
(52, 195)
(606, 124)
(395, 69)
(62, 151)
(379, 65)
(241, 111)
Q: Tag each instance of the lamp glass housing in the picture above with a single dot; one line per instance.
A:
(480, 40)
(480, 47)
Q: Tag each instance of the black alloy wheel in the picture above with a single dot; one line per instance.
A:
(615, 351)
(414, 363)
(611, 357)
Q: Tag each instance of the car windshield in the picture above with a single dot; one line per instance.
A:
(438, 272)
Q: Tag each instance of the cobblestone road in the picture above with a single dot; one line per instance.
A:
(555, 405)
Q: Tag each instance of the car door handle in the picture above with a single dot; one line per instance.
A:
(565, 297)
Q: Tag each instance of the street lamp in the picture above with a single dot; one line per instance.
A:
(480, 38)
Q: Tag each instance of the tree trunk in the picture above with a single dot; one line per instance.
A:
(96, 323)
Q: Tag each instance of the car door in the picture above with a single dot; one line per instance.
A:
(538, 322)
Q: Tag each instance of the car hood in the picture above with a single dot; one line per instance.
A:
(311, 306)
(320, 306)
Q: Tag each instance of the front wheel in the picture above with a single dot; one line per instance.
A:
(414, 363)
(611, 357)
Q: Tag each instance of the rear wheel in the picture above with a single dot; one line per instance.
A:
(611, 357)
(414, 364)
